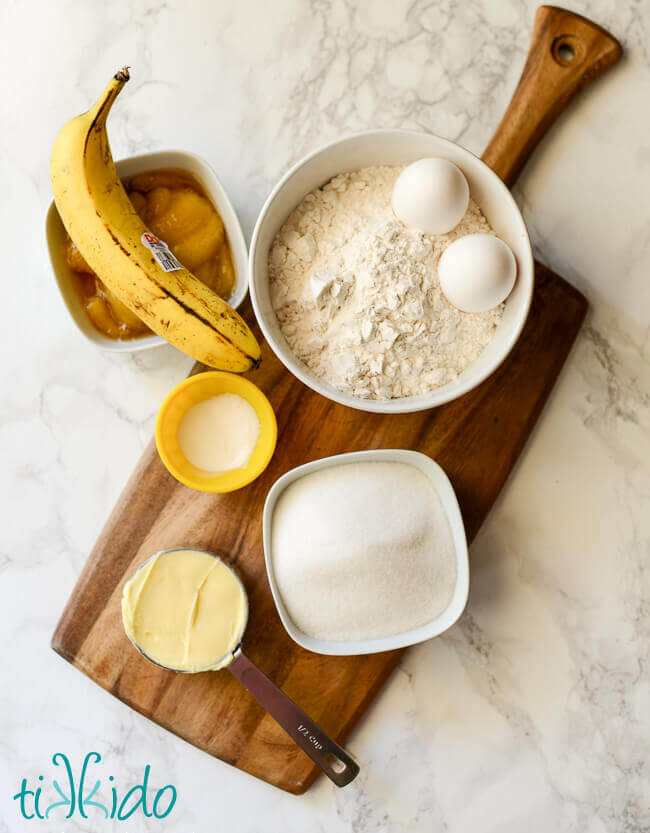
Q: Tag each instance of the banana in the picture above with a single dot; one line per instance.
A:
(118, 247)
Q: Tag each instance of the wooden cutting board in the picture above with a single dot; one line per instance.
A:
(476, 439)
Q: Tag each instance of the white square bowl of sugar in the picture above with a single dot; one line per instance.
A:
(364, 558)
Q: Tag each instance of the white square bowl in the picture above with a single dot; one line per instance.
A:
(200, 169)
(449, 502)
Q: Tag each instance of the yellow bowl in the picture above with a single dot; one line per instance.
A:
(196, 389)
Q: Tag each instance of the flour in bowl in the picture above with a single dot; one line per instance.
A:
(357, 295)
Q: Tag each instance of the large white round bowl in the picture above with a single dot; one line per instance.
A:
(394, 147)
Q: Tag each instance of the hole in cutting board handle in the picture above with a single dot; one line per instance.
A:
(565, 50)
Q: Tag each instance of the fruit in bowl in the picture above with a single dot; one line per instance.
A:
(175, 207)
(138, 267)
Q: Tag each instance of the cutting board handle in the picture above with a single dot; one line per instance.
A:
(567, 51)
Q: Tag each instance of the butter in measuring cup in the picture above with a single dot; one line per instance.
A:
(185, 610)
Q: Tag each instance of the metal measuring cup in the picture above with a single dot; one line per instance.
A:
(332, 759)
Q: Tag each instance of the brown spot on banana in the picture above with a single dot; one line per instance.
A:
(166, 294)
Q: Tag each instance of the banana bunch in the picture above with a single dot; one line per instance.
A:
(132, 262)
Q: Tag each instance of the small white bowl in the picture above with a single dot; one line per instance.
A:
(447, 496)
(55, 234)
(394, 147)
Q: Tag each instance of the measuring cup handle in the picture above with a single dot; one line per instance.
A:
(324, 752)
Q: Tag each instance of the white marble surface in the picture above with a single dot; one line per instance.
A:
(533, 712)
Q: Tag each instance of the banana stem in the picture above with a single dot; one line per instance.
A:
(100, 110)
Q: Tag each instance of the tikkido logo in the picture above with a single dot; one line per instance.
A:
(85, 795)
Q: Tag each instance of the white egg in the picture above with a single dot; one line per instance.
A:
(431, 195)
(477, 272)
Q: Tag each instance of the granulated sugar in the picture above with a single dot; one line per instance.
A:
(362, 551)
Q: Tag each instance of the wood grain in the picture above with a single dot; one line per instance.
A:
(476, 439)
(566, 52)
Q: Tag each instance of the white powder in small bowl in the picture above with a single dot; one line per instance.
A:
(219, 434)
(362, 551)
